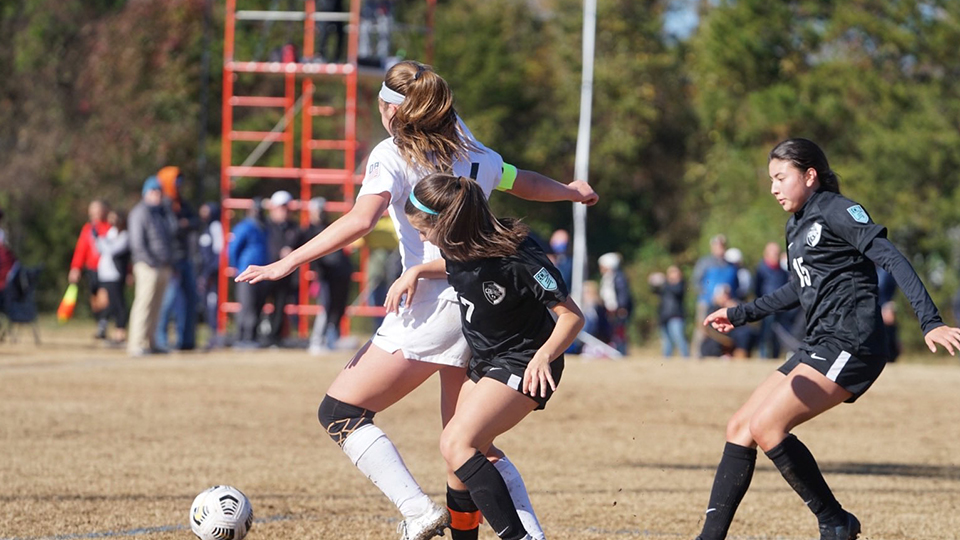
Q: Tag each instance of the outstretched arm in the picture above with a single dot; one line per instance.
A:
(360, 220)
(785, 298)
(884, 253)
(533, 186)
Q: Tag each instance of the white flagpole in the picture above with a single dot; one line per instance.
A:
(581, 168)
(582, 161)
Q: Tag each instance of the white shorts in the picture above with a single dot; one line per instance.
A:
(428, 331)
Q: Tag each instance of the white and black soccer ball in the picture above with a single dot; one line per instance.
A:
(221, 513)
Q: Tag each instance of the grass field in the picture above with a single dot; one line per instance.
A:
(97, 445)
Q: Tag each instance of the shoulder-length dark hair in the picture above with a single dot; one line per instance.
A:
(464, 226)
(805, 154)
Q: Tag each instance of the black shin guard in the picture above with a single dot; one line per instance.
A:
(729, 486)
(800, 470)
(489, 492)
(464, 515)
(341, 419)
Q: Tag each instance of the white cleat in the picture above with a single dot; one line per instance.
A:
(425, 526)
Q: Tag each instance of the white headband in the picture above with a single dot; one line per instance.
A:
(391, 96)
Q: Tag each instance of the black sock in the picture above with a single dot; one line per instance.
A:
(489, 492)
(729, 486)
(800, 470)
(464, 515)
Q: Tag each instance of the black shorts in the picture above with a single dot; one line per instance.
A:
(511, 374)
(854, 374)
(92, 281)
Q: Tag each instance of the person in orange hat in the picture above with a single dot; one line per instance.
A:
(180, 300)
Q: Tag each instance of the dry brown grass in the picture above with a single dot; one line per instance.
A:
(95, 444)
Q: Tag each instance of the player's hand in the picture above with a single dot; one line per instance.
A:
(719, 321)
(947, 336)
(538, 376)
(74, 275)
(405, 285)
(271, 272)
(584, 193)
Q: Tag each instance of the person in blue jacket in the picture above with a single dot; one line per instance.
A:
(249, 247)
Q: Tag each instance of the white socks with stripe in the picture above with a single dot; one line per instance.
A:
(372, 452)
(518, 492)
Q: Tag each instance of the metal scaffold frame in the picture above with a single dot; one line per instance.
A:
(311, 74)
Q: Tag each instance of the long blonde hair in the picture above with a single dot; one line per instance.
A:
(465, 229)
(425, 125)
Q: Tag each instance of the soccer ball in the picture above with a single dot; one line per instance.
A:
(221, 513)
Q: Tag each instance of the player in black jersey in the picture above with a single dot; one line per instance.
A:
(507, 288)
(833, 246)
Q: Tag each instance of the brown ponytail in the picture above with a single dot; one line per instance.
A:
(464, 226)
(425, 125)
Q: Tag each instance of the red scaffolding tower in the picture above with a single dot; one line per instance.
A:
(311, 73)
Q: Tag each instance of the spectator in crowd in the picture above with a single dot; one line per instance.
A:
(559, 246)
(725, 273)
(617, 298)
(151, 249)
(770, 276)
(331, 28)
(7, 260)
(112, 269)
(249, 246)
(671, 290)
(742, 287)
(283, 236)
(180, 299)
(210, 243)
(596, 322)
(333, 277)
(3, 233)
(737, 343)
(887, 286)
(718, 247)
(375, 16)
(85, 260)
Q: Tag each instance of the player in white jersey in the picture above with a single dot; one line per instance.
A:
(416, 108)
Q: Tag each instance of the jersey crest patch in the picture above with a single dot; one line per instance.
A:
(374, 170)
(546, 280)
(494, 292)
(813, 234)
(858, 213)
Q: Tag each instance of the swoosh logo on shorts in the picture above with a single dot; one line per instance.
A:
(815, 356)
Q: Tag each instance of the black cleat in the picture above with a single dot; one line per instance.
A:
(848, 531)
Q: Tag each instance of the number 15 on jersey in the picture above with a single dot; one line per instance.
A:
(802, 272)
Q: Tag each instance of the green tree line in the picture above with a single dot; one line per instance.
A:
(97, 95)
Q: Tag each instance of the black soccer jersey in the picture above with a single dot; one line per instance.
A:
(831, 278)
(505, 301)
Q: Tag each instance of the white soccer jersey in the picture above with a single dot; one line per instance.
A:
(387, 172)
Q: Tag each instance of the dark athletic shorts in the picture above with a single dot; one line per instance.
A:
(511, 374)
(92, 281)
(855, 374)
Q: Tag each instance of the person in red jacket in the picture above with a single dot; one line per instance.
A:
(85, 260)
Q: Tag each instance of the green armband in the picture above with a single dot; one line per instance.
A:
(508, 178)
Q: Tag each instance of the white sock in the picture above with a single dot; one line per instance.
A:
(372, 452)
(518, 492)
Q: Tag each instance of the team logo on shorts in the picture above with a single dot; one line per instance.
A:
(374, 170)
(546, 280)
(858, 213)
(493, 292)
(813, 235)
